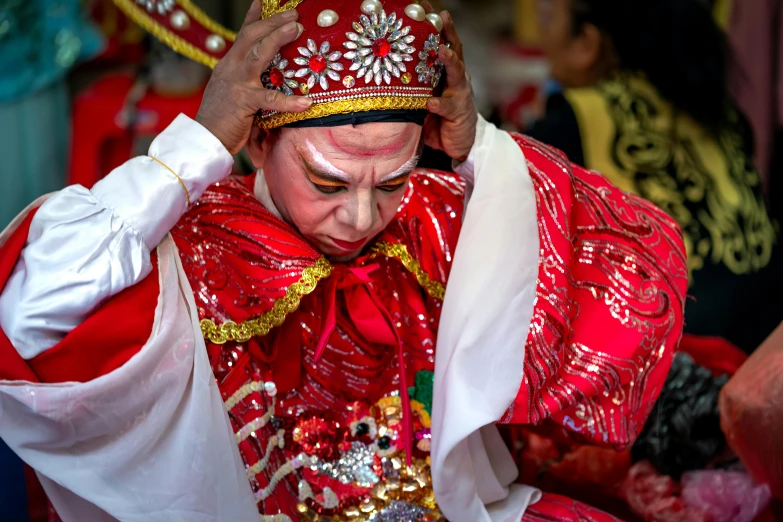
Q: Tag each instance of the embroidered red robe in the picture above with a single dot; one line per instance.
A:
(326, 369)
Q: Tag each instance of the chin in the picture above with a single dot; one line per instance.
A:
(332, 252)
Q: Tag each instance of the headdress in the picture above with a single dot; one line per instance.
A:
(353, 56)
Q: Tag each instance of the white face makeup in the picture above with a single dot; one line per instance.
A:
(323, 165)
(340, 186)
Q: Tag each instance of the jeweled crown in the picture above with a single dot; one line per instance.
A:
(353, 55)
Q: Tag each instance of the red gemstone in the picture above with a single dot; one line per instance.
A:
(431, 57)
(381, 47)
(276, 77)
(317, 63)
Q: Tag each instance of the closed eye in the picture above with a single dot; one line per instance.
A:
(324, 183)
(396, 185)
(329, 189)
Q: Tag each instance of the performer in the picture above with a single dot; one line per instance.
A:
(178, 345)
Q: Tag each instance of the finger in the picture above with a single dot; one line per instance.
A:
(450, 34)
(427, 6)
(265, 49)
(259, 29)
(455, 69)
(253, 14)
(273, 100)
(431, 132)
(445, 107)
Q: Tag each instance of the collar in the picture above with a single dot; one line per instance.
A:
(261, 192)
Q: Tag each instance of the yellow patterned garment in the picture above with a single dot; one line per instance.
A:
(708, 184)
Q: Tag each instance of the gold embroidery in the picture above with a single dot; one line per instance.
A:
(272, 7)
(319, 110)
(708, 186)
(260, 326)
(178, 44)
(400, 252)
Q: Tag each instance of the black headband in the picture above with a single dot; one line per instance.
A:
(358, 118)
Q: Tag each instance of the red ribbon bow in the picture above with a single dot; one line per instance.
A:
(371, 320)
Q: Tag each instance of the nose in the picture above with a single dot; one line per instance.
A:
(360, 213)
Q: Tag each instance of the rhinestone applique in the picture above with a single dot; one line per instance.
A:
(378, 47)
(319, 64)
(429, 68)
(277, 78)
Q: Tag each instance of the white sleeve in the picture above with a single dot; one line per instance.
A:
(485, 133)
(85, 246)
(489, 303)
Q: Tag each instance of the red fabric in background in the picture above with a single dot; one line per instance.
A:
(752, 413)
(716, 354)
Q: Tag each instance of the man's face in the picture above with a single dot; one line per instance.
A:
(339, 186)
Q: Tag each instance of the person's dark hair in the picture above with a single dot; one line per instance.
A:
(676, 43)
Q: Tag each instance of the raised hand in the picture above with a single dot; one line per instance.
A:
(234, 93)
(451, 124)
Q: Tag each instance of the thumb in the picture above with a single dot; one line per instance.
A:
(253, 14)
(446, 108)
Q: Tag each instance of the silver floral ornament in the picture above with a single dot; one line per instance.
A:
(277, 78)
(430, 68)
(378, 47)
(319, 64)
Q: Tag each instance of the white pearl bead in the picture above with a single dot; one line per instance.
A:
(436, 20)
(327, 18)
(370, 7)
(270, 388)
(179, 20)
(215, 43)
(415, 12)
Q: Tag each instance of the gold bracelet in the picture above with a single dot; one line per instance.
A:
(187, 194)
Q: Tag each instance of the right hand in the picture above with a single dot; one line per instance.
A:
(234, 93)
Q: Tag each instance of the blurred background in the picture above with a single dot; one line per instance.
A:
(679, 101)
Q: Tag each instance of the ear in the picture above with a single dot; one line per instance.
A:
(258, 146)
(588, 50)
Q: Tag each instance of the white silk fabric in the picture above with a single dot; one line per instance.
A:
(486, 314)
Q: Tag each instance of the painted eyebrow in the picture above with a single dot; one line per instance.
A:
(401, 172)
(323, 176)
(328, 173)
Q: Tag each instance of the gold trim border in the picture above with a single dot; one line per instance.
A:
(272, 7)
(262, 325)
(329, 108)
(175, 42)
(400, 252)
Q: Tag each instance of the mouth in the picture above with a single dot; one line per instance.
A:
(349, 246)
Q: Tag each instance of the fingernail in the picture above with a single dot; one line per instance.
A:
(304, 102)
(288, 15)
(448, 53)
(300, 29)
(434, 103)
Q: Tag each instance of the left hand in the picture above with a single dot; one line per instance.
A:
(451, 124)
